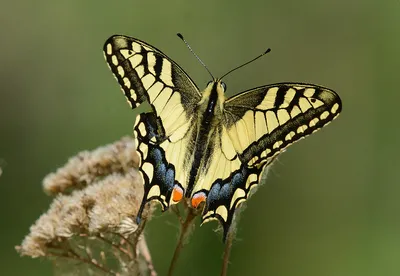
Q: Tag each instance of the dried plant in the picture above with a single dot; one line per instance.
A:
(90, 220)
(90, 227)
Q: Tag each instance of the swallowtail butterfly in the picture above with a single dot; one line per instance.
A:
(200, 145)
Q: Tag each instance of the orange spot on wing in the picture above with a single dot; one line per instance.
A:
(197, 199)
(177, 194)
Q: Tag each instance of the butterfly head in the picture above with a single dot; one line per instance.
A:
(217, 88)
(214, 92)
(219, 85)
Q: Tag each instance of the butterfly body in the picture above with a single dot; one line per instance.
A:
(202, 146)
(206, 126)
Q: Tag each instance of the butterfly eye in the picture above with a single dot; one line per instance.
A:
(223, 86)
(210, 82)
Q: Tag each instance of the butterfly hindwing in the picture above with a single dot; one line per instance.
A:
(162, 163)
(157, 172)
(226, 195)
(153, 167)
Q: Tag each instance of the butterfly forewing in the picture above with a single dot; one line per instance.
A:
(146, 74)
(272, 117)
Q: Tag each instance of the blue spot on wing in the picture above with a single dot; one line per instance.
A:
(213, 194)
(221, 194)
(237, 179)
(155, 154)
(164, 173)
(170, 178)
(225, 192)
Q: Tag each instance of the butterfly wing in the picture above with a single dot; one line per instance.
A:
(258, 125)
(160, 169)
(146, 74)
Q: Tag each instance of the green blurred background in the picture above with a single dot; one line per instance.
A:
(331, 203)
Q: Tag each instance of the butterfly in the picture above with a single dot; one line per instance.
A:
(204, 147)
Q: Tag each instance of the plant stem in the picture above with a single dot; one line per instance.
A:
(76, 257)
(135, 237)
(185, 230)
(145, 252)
(116, 246)
(227, 252)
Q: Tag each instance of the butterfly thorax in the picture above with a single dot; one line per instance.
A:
(206, 125)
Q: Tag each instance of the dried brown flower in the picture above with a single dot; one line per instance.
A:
(84, 168)
(93, 223)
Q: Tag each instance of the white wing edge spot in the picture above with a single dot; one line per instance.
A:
(335, 108)
(120, 71)
(114, 60)
(133, 94)
(252, 179)
(238, 194)
(127, 83)
(324, 115)
(223, 212)
(208, 217)
(277, 144)
(302, 128)
(290, 135)
(313, 122)
(154, 191)
(265, 153)
(109, 49)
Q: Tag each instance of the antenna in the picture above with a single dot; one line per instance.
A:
(240, 66)
(191, 50)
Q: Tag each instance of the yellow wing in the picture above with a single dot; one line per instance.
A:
(263, 121)
(163, 163)
(258, 125)
(146, 74)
